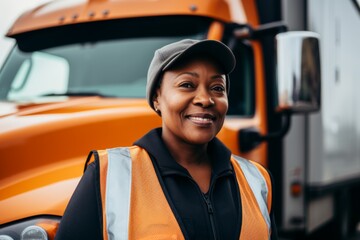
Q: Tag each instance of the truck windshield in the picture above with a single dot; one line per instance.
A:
(108, 58)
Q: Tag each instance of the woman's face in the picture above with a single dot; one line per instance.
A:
(193, 102)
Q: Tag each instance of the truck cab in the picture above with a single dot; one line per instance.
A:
(75, 81)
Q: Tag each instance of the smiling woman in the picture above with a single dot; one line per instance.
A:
(178, 181)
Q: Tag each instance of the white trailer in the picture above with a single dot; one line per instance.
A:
(321, 152)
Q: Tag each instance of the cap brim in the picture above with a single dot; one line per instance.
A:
(209, 48)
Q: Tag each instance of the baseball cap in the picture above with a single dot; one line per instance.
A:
(174, 53)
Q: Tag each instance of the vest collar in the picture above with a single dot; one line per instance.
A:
(154, 145)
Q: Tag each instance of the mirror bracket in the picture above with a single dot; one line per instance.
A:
(269, 29)
(249, 138)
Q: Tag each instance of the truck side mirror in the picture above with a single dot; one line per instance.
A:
(298, 72)
(298, 83)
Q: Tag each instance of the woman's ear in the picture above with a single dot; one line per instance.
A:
(156, 102)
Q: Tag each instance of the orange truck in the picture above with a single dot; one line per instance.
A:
(75, 81)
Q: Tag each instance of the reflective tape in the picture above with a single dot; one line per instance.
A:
(118, 193)
(257, 184)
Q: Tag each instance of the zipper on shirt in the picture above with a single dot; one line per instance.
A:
(208, 202)
(211, 214)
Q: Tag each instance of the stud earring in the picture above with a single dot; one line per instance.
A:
(156, 109)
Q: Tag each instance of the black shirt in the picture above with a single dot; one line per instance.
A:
(200, 215)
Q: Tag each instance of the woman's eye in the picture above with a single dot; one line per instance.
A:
(218, 88)
(186, 85)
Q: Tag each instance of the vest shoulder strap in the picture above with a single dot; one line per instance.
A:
(255, 187)
(134, 205)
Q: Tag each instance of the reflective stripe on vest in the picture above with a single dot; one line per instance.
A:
(118, 184)
(258, 180)
(135, 207)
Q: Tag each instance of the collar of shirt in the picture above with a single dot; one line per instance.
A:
(154, 145)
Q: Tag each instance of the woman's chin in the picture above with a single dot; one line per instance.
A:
(201, 138)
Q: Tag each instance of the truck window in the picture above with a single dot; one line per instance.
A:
(242, 82)
(32, 79)
(107, 58)
(101, 58)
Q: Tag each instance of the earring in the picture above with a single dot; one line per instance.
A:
(156, 109)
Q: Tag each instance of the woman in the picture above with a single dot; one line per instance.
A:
(178, 181)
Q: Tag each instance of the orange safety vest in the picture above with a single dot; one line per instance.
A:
(135, 207)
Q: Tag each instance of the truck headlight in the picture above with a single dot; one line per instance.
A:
(42, 228)
(34, 232)
(5, 237)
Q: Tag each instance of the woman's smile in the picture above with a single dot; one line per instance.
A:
(202, 119)
(193, 102)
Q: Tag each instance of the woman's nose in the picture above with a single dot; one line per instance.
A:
(203, 98)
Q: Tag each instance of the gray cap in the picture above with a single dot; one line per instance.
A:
(169, 55)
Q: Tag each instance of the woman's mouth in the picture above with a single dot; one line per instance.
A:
(201, 119)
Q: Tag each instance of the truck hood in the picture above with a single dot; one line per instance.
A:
(59, 104)
(44, 145)
(7, 108)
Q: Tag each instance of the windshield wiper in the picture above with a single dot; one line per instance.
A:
(75, 94)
